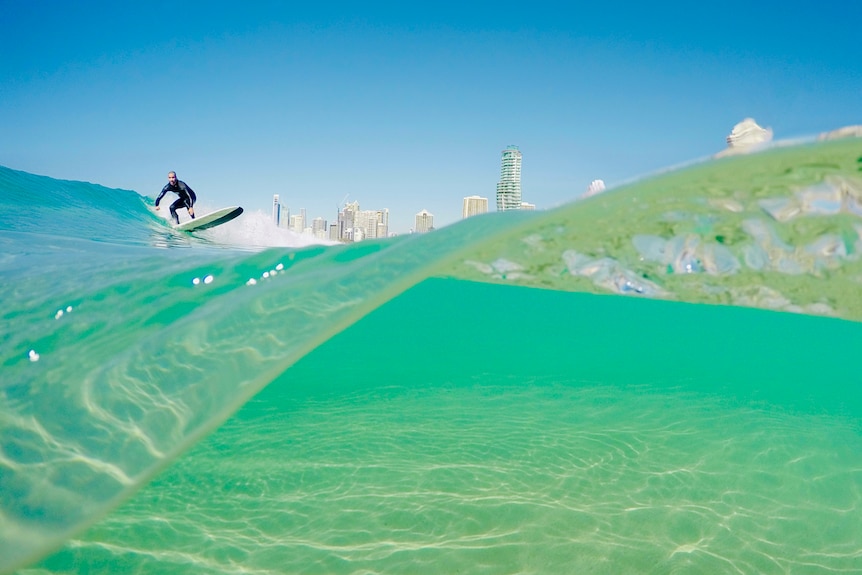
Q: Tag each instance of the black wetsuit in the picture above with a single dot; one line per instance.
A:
(187, 198)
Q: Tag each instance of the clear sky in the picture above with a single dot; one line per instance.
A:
(408, 105)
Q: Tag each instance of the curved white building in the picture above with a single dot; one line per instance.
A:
(509, 188)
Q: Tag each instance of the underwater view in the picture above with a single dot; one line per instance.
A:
(656, 379)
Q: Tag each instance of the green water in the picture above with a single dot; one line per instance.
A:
(575, 434)
(516, 393)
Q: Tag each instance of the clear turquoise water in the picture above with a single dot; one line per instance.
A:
(418, 405)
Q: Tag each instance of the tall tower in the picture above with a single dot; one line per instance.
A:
(473, 206)
(296, 223)
(280, 213)
(424, 222)
(382, 223)
(509, 188)
(276, 210)
(346, 219)
(319, 228)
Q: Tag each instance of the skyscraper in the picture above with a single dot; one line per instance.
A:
(346, 219)
(380, 220)
(595, 187)
(276, 210)
(355, 225)
(319, 228)
(509, 188)
(280, 212)
(424, 222)
(474, 205)
(373, 223)
(297, 224)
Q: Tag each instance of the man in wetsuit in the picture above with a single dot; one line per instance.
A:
(187, 197)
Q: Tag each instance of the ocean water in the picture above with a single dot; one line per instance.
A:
(663, 378)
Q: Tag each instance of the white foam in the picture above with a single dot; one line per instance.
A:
(256, 229)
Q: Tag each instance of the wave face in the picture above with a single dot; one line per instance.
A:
(170, 403)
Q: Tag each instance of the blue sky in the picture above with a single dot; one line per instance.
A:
(408, 105)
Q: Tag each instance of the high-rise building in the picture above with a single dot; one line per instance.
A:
(346, 217)
(381, 223)
(355, 225)
(372, 223)
(276, 211)
(319, 228)
(424, 222)
(362, 221)
(595, 187)
(474, 205)
(509, 187)
(280, 213)
(296, 223)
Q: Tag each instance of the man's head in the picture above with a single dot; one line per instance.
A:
(172, 177)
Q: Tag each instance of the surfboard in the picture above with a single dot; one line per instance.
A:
(210, 220)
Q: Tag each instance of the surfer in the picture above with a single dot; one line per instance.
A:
(187, 197)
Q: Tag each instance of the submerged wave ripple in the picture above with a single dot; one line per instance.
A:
(465, 479)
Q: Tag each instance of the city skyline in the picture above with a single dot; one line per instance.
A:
(352, 224)
(508, 198)
(406, 107)
(357, 227)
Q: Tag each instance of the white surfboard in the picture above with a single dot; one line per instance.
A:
(210, 220)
